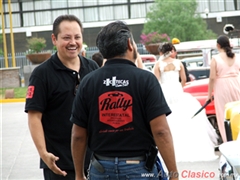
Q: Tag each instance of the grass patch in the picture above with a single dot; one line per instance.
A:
(19, 92)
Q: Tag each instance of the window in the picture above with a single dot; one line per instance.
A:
(43, 18)
(101, 2)
(14, 7)
(77, 3)
(57, 13)
(27, 6)
(90, 3)
(90, 14)
(15, 20)
(137, 0)
(28, 19)
(59, 4)
(78, 13)
(202, 5)
(40, 5)
(106, 13)
(121, 12)
(119, 1)
(230, 5)
(138, 10)
(214, 5)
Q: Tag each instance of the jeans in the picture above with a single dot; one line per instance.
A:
(120, 170)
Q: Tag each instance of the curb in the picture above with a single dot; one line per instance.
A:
(12, 100)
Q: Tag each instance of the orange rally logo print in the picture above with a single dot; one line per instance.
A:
(115, 108)
(30, 92)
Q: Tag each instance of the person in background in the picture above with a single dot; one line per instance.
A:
(98, 58)
(170, 54)
(120, 112)
(51, 91)
(83, 52)
(194, 137)
(224, 80)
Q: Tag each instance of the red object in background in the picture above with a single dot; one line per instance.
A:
(199, 89)
(148, 58)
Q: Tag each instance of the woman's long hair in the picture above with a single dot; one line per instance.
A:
(224, 43)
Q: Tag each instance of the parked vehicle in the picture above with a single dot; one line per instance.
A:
(193, 62)
(229, 164)
(198, 55)
(149, 65)
(148, 58)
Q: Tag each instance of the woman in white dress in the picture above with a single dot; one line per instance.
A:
(194, 138)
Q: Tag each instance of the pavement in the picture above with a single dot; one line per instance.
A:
(19, 159)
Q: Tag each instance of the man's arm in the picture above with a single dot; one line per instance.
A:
(78, 145)
(36, 130)
(163, 139)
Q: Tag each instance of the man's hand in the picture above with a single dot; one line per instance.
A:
(50, 161)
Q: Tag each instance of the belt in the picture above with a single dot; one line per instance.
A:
(104, 158)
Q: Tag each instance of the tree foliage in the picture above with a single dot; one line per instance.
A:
(178, 19)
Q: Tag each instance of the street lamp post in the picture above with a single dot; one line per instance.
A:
(206, 12)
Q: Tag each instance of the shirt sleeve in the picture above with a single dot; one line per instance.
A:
(36, 97)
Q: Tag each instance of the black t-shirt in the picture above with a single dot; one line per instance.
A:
(51, 92)
(116, 103)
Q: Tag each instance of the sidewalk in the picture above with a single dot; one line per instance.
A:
(19, 158)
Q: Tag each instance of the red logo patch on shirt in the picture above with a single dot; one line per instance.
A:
(115, 108)
(30, 92)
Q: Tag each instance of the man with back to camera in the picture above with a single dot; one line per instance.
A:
(120, 112)
(51, 92)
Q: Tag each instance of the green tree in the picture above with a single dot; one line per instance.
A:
(178, 19)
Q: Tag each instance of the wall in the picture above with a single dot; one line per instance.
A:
(9, 77)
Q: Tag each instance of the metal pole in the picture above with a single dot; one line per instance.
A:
(4, 36)
(11, 35)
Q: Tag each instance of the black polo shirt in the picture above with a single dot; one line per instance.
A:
(116, 103)
(51, 92)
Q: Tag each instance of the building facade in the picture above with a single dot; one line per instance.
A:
(34, 18)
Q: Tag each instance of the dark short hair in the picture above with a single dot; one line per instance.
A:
(98, 58)
(224, 42)
(62, 18)
(112, 39)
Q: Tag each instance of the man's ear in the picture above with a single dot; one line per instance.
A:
(130, 45)
(54, 39)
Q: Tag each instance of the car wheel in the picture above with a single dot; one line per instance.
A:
(213, 120)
